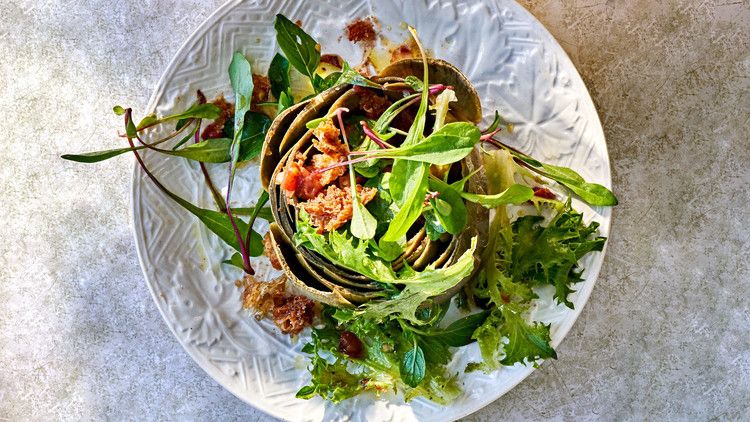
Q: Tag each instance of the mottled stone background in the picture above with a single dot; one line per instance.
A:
(666, 334)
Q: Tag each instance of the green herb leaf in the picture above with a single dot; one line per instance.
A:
(454, 217)
(278, 75)
(408, 184)
(460, 331)
(591, 193)
(195, 111)
(515, 194)
(550, 255)
(118, 110)
(241, 77)
(253, 135)
(413, 366)
(96, 156)
(451, 143)
(351, 76)
(363, 224)
(302, 51)
(429, 283)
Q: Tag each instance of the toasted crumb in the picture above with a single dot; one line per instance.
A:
(291, 313)
(361, 30)
(332, 208)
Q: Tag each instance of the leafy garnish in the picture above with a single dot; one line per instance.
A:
(394, 358)
(352, 77)
(302, 51)
(451, 143)
(591, 193)
(406, 304)
(363, 224)
(408, 184)
(454, 219)
(515, 194)
(241, 77)
(526, 341)
(550, 254)
(278, 76)
(413, 366)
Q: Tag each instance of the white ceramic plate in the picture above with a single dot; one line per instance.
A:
(517, 68)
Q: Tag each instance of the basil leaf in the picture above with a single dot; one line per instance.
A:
(413, 366)
(515, 194)
(118, 110)
(302, 51)
(278, 75)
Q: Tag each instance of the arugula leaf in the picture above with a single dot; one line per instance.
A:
(451, 143)
(352, 77)
(413, 366)
(302, 51)
(278, 76)
(406, 304)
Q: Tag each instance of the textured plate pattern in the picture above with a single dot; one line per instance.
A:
(517, 68)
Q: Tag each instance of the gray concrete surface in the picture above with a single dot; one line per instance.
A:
(665, 335)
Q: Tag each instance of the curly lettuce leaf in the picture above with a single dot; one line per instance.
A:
(424, 285)
(550, 254)
(526, 341)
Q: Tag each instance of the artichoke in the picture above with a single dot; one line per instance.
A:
(299, 170)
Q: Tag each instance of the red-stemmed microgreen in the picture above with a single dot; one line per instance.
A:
(591, 193)
(374, 136)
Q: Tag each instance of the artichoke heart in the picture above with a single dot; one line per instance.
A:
(308, 155)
